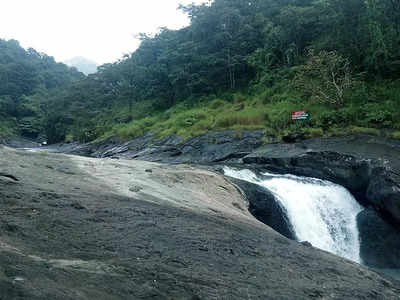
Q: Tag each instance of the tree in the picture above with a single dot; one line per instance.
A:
(326, 77)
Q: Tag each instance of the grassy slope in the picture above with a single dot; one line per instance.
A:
(373, 109)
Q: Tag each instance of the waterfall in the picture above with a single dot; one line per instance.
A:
(321, 212)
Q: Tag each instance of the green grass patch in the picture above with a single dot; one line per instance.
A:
(314, 132)
(369, 109)
(396, 135)
(364, 130)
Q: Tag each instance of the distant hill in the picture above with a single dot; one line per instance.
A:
(83, 64)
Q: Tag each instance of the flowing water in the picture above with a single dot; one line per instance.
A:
(321, 212)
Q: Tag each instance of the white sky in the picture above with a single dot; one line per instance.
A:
(100, 30)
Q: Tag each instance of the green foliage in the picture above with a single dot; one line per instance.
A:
(231, 68)
(217, 103)
(8, 127)
(378, 116)
(333, 118)
(25, 78)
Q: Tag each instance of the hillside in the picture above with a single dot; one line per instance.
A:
(244, 65)
(26, 76)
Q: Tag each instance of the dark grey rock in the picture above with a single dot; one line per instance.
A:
(365, 165)
(150, 248)
(384, 192)
(306, 243)
(379, 241)
(265, 208)
(294, 137)
(135, 189)
(207, 148)
(20, 142)
(372, 182)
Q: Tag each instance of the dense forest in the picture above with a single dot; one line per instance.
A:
(238, 65)
(25, 75)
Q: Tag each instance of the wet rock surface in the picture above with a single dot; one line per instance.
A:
(18, 142)
(265, 208)
(208, 148)
(368, 166)
(372, 182)
(379, 241)
(82, 228)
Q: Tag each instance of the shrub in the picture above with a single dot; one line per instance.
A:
(331, 118)
(217, 103)
(239, 98)
(377, 114)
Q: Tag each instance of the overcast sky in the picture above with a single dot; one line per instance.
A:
(101, 30)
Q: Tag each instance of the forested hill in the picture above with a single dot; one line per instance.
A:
(24, 73)
(245, 65)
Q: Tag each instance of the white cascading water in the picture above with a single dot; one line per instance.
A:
(321, 212)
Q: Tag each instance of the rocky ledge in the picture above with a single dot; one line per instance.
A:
(83, 228)
(373, 182)
(368, 166)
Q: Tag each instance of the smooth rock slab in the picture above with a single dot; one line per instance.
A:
(186, 235)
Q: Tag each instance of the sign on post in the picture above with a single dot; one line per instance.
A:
(300, 115)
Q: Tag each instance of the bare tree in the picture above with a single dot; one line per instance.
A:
(326, 77)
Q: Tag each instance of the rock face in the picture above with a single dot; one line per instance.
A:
(18, 142)
(368, 166)
(208, 148)
(372, 182)
(82, 228)
(379, 241)
(383, 192)
(265, 208)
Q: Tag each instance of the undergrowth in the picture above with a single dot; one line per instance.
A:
(369, 109)
(7, 128)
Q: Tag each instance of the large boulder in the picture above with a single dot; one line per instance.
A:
(265, 208)
(383, 192)
(379, 241)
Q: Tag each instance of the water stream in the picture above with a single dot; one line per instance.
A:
(321, 212)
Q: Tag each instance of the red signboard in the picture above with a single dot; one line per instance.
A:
(300, 115)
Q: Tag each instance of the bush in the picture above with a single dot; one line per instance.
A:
(217, 103)
(331, 118)
(377, 114)
(280, 115)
